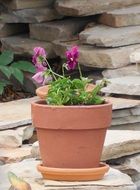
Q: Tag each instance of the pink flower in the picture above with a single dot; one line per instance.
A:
(72, 57)
(38, 77)
(39, 58)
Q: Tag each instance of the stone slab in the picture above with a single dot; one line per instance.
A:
(11, 29)
(120, 143)
(15, 113)
(55, 30)
(129, 16)
(126, 120)
(114, 179)
(20, 4)
(128, 85)
(129, 70)
(135, 58)
(11, 155)
(97, 57)
(23, 46)
(35, 15)
(90, 7)
(105, 36)
(15, 137)
(132, 126)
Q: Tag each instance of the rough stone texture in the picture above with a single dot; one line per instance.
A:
(123, 103)
(35, 152)
(15, 113)
(129, 70)
(120, 143)
(58, 29)
(106, 36)
(129, 85)
(20, 4)
(90, 7)
(22, 45)
(10, 155)
(129, 16)
(36, 15)
(98, 57)
(132, 126)
(114, 179)
(14, 138)
(135, 58)
(126, 120)
(11, 29)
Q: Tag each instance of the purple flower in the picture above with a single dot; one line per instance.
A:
(41, 78)
(39, 59)
(72, 57)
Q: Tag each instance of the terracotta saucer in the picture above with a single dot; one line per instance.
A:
(64, 174)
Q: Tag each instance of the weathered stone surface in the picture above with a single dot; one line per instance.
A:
(35, 152)
(123, 103)
(20, 4)
(22, 45)
(125, 120)
(106, 36)
(35, 15)
(15, 113)
(135, 58)
(132, 126)
(63, 29)
(124, 85)
(120, 143)
(11, 29)
(98, 57)
(129, 16)
(90, 7)
(14, 138)
(10, 155)
(114, 179)
(129, 70)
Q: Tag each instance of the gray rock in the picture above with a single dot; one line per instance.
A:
(10, 155)
(126, 120)
(128, 126)
(58, 29)
(97, 57)
(19, 4)
(35, 151)
(129, 70)
(90, 7)
(129, 85)
(105, 36)
(120, 143)
(128, 16)
(15, 137)
(15, 113)
(114, 179)
(35, 15)
(22, 45)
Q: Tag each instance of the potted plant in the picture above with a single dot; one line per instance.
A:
(71, 121)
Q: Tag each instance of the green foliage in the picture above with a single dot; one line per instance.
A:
(65, 91)
(10, 68)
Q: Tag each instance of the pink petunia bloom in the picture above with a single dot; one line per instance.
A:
(39, 59)
(38, 77)
(72, 57)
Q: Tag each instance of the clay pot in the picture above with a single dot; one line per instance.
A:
(71, 136)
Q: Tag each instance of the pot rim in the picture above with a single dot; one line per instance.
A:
(39, 104)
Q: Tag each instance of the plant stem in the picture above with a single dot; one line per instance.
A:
(53, 73)
(63, 72)
(80, 72)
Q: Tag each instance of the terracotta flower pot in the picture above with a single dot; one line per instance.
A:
(71, 137)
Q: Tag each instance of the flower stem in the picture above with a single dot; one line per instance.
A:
(53, 73)
(63, 72)
(80, 72)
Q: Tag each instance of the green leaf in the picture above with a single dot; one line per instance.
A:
(18, 74)
(5, 70)
(3, 83)
(24, 66)
(6, 57)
